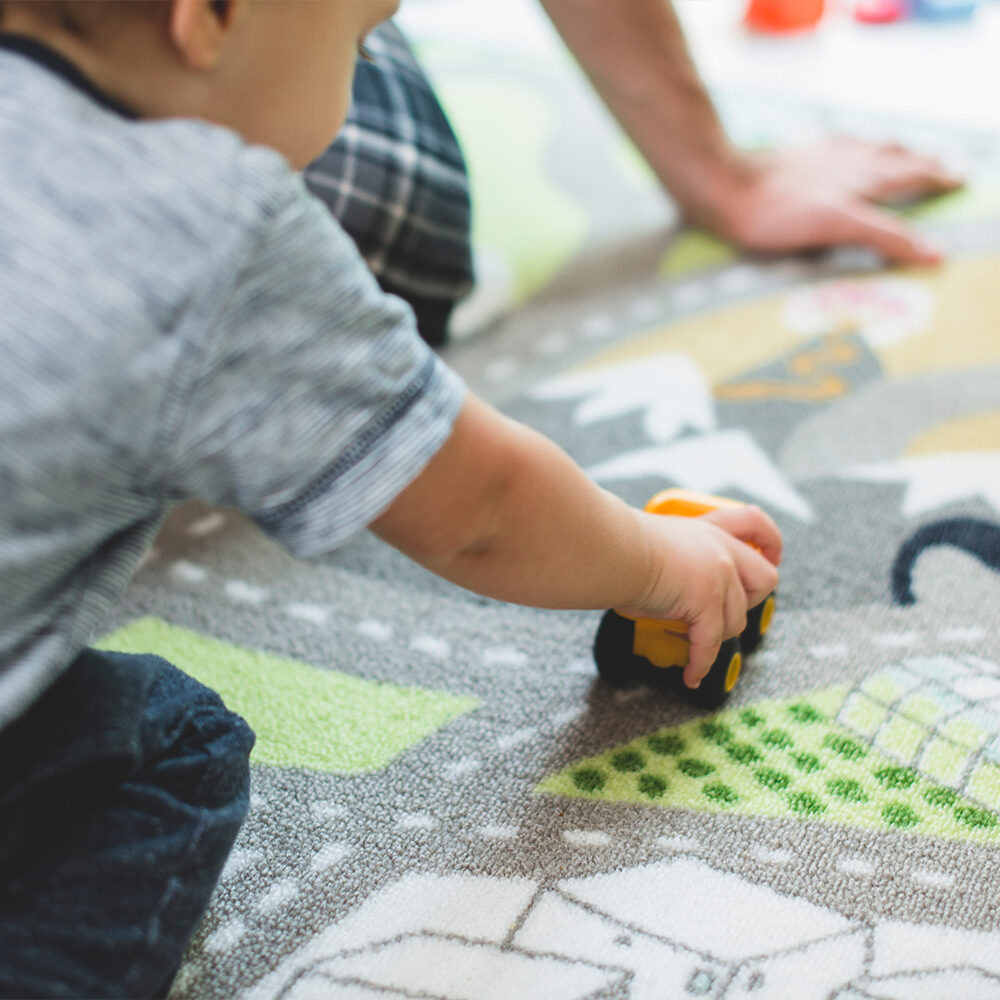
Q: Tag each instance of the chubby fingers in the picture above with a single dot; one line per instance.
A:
(708, 630)
(758, 577)
(706, 641)
(751, 525)
(754, 575)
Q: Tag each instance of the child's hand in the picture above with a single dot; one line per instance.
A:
(708, 575)
(505, 512)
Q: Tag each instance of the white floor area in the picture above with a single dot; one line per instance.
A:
(940, 74)
(945, 74)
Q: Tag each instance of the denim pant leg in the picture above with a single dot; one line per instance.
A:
(131, 784)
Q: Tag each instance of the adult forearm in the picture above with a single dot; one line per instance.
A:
(635, 55)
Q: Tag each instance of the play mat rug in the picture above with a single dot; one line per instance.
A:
(447, 804)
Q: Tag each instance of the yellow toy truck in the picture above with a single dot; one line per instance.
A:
(632, 652)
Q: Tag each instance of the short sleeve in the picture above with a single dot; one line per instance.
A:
(311, 402)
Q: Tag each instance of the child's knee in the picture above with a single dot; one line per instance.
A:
(221, 741)
(197, 748)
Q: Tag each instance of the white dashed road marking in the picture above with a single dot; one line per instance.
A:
(510, 740)
(829, 651)
(431, 646)
(597, 326)
(330, 855)
(962, 634)
(861, 867)
(500, 371)
(188, 571)
(685, 845)
(463, 767)
(505, 656)
(497, 832)
(380, 631)
(552, 344)
(933, 879)
(278, 895)
(308, 612)
(325, 811)
(226, 937)
(416, 821)
(206, 525)
(895, 640)
(772, 856)
(245, 593)
(737, 280)
(586, 838)
(644, 309)
(238, 860)
(689, 296)
(565, 717)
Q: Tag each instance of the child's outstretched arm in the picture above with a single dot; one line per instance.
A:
(503, 511)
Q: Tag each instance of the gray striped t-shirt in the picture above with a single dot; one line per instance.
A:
(178, 318)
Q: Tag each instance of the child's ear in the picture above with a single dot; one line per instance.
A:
(198, 29)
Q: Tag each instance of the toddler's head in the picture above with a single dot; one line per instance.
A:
(277, 71)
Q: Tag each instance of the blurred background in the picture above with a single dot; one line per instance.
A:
(920, 60)
(559, 193)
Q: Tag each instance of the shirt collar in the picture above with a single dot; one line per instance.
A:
(56, 63)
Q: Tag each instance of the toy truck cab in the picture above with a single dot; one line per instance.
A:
(641, 651)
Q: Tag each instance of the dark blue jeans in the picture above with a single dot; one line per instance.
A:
(121, 793)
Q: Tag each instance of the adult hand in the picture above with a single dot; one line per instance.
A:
(827, 194)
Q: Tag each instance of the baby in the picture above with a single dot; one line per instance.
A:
(181, 319)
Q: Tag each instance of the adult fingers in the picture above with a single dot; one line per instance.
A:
(872, 227)
(901, 174)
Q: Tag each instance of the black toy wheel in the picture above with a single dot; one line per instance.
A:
(616, 663)
(758, 622)
(621, 667)
(718, 683)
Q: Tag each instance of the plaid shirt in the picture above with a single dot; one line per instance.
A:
(395, 179)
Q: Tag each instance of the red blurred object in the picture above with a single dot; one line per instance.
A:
(783, 15)
(879, 11)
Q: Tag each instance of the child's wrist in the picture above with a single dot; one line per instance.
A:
(649, 564)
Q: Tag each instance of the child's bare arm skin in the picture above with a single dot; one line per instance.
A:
(503, 511)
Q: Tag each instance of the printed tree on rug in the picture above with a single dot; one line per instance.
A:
(904, 750)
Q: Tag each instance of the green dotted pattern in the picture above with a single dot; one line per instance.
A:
(783, 758)
(321, 720)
